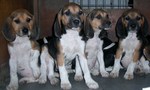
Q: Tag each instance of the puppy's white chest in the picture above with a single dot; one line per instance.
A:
(130, 42)
(20, 51)
(72, 44)
(94, 43)
(129, 45)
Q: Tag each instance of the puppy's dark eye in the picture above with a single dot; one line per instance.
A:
(80, 12)
(107, 16)
(99, 17)
(28, 20)
(127, 18)
(67, 13)
(138, 18)
(17, 21)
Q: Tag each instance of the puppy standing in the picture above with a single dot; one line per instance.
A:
(131, 30)
(67, 44)
(97, 24)
(21, 32)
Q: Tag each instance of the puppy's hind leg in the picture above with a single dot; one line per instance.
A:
(51, 75)
(34, 63)
(43, 67)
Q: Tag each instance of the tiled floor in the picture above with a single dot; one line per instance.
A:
(139, 82)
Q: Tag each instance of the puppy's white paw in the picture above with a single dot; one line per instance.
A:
(128, 76)
(92, 85)
(105, 74)
(114, 74)
(12, 86)
(42, 79)
(78, 77)
(95, 72)
(65, 86)
(53, 80)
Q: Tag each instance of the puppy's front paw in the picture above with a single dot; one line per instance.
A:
(65, 86)
(128, 76)
(53, 80)
(95, 72)
(105, 74)
(12, 86)
(92, 85)
(114, 74)
(78, 77)
(42, 79)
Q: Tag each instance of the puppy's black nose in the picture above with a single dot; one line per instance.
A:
(76, 21)
(133, 25)
(25, 31)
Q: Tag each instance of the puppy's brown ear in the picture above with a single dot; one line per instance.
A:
(58, 27)
(121, 31)
(8, 31)
(145, 26)
(89, 32)
(35, 33)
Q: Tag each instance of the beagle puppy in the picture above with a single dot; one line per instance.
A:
(67, 44)
(131, 30)
(20, 31)
(100, 50)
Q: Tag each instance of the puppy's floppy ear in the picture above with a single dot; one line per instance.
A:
(8, 31)
(58, 27)
(121, 31)
(89, 32)
(145, 26)
(35, 33)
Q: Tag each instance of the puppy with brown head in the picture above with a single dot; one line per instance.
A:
(98, 45)
(66, 44)
(21, 32)
(131, 30)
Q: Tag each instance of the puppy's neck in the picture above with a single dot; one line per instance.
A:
(20, 39)
(97, 32)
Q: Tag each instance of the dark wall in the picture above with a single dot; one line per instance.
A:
(47, 10)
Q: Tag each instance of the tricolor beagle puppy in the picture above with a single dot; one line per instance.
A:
(20, 31)
(100, 50)
(67, 44)
(131, 30)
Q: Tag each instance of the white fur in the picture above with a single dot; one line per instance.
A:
(129, 44)
(47, 67)
(73, 46)
(23, 60)
(95, 55)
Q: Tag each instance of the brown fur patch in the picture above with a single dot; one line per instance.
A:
(60, 55)
(136, 54)
(35, 45)
(119, 51)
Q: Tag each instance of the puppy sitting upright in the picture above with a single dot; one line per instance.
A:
(97, 24)
(131, 30)
(21, 33)
(67, 44)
